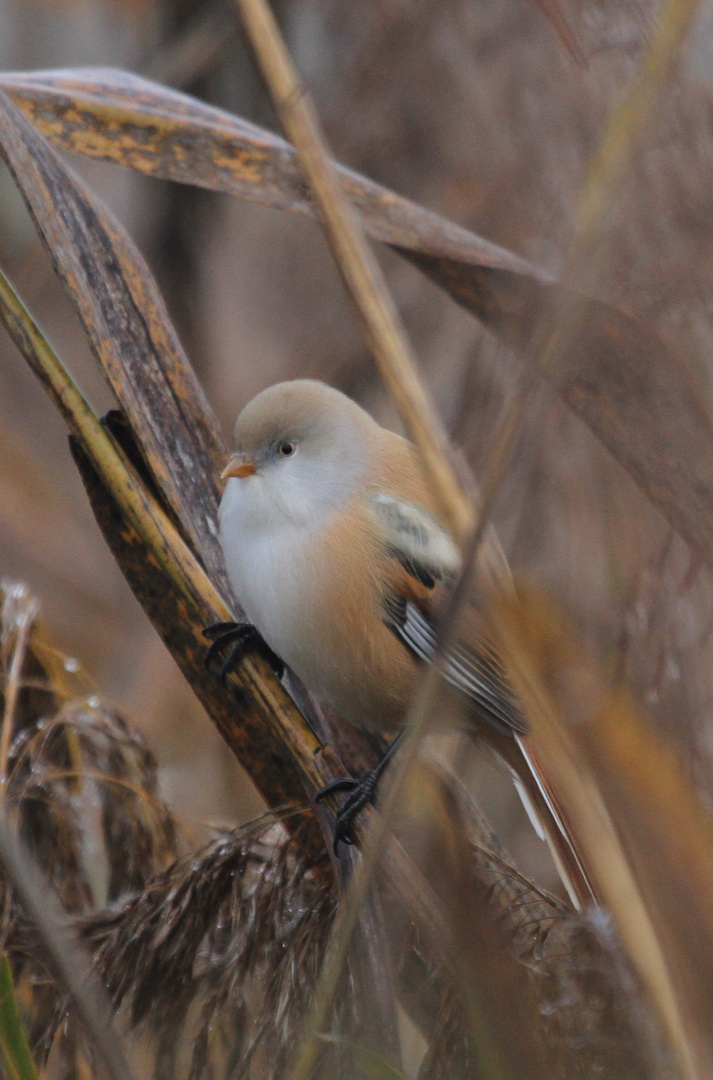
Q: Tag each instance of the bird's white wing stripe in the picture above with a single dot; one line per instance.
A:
(458, 668)
(470, 679)
(464, 664)
(418, 636)
(458, 664)
(426, 551)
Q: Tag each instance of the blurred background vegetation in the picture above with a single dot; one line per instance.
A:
(482, 113)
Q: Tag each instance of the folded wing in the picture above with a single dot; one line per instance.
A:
(427, 560)
(430, 560)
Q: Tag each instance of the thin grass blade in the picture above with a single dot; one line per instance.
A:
(16, 1055)
(66, 955)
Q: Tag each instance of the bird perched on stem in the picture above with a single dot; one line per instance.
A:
(334, 547)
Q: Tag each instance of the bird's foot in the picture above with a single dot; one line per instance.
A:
(242, 638)
(359, 793)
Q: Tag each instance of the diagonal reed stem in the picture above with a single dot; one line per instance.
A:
(389, 345)
(154, 526)
(358, 266)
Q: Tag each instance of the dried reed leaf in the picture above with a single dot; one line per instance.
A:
(624, 381)
(637, 819)
(116, 116)
(129, 330)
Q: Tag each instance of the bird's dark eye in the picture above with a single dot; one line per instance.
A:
(287, 449)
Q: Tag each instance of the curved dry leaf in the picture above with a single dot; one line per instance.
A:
(620, 378)
(129, 330)
(115, 116)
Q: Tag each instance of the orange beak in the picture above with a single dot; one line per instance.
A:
(239, 466)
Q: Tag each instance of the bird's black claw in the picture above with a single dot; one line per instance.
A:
(271, 658)
(360, 792)
(243, 638)
(334, 786)
(237, 635)
(341, 834)
(217, 629)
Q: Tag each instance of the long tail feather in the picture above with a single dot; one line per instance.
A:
(548, 817)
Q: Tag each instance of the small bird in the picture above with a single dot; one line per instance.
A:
(335, 549)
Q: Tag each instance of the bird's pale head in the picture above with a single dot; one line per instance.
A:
(300, 448)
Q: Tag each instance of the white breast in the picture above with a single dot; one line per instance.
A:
(267, 557)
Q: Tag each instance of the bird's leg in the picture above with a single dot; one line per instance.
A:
(243, 638)
(360, 792)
